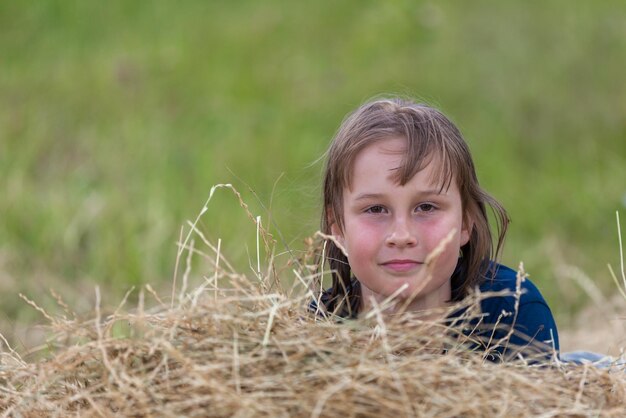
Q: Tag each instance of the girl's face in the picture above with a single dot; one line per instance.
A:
(390, 229)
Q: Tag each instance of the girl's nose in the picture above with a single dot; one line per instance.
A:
(401, 235)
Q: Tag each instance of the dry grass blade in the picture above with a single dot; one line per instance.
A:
(621, 286)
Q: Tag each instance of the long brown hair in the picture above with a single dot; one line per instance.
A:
(430, 135)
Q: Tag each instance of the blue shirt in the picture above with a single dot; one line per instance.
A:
(533, 327)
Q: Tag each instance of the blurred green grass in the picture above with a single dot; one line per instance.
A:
(117, 117)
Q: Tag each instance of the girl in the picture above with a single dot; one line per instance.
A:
(400, 182)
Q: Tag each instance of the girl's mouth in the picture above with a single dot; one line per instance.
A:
(401, 266)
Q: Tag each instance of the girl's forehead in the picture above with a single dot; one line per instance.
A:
(390, 156)
(389, 152)
(392, 145)
(381, 179)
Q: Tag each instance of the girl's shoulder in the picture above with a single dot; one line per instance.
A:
(521, 307)
(504, 279)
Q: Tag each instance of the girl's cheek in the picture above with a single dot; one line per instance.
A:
(369, 227)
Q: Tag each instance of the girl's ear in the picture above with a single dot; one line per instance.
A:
(466, 230)
(335, 230)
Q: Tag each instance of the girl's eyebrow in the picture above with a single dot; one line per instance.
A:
(367, 196)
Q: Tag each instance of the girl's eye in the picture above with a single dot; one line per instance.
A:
(425, 207)
(375, 209)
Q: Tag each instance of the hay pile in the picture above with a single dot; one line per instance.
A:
(244, 346)
(242, 352)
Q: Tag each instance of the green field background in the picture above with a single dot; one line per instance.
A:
(117, 118)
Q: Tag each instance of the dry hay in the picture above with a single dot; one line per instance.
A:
(244, 346)
(243, 351)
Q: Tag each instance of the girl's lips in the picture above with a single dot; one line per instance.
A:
(401, 265)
